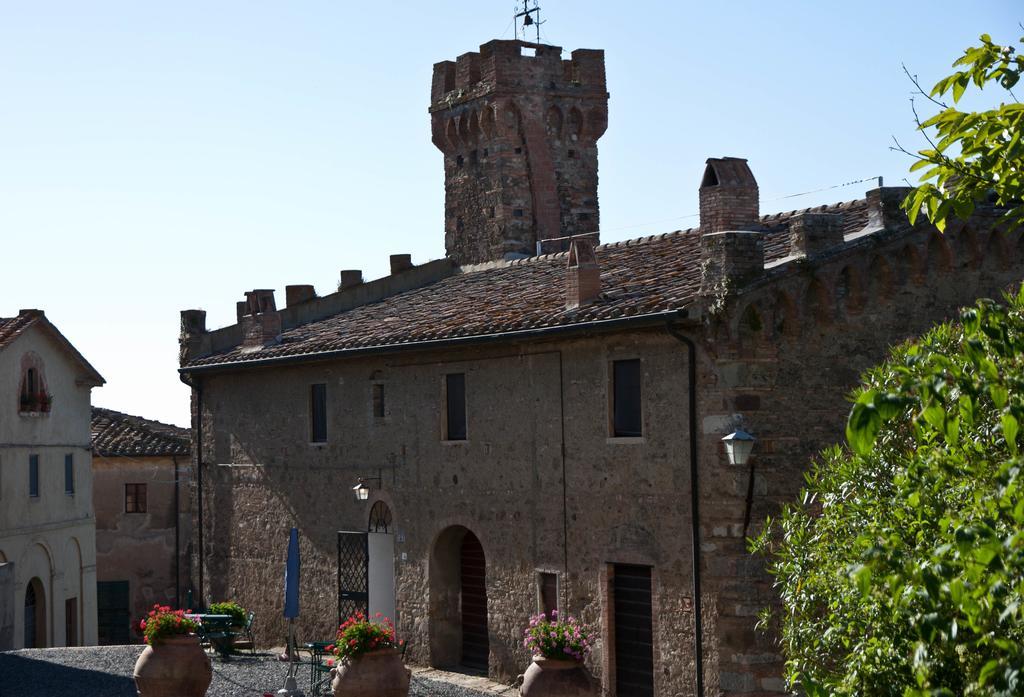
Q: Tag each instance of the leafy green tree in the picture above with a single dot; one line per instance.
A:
(901, 571)
(971, 155)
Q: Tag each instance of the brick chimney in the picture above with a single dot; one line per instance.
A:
(728, 196)
(261, 324)
(583, 275)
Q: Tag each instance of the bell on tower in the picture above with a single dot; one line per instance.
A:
(518, 127)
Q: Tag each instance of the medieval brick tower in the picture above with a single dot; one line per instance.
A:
(518, 127)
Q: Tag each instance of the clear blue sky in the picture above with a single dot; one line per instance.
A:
(162, 156)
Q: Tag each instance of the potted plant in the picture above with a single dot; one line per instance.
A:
(559, 648)
(369, 659)
(172, 664)
(232, 609)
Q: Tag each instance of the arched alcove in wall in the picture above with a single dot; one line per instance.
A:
(34, 608)
(458, 602)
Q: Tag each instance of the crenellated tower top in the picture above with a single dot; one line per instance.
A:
(518, 127)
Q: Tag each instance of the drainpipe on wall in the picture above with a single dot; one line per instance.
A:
(177, 538)
(698, 620)
(199, 483)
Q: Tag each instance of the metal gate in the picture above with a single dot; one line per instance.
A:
(353, 575)
(634, 638)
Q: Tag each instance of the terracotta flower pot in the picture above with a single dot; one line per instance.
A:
(552, 677)
(374, 674)
(176, 667)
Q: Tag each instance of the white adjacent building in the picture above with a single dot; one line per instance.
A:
(47, 525)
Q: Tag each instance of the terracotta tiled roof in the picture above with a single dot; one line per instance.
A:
(656, 274)
(12, 327)
(118, 435)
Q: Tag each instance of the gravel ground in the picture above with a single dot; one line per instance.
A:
(106, 671)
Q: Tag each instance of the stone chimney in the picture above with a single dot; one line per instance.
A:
(728, 196)
(884, 207)
(350, 278)
(730, 260)
(296, 295)
(812, 234)
(583, 275)
(400, 262)
(193, 331)
(261, 324)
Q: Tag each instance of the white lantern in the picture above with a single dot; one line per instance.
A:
(738, 446)
(362, 491)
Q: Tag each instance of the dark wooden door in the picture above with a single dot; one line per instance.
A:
(474, 605)
(31, 638)
(634, 638)
(113, 604)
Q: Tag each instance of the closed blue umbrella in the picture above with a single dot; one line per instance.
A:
(291, 577)
(291, 611)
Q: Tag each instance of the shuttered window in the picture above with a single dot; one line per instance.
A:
(318, 413)
(69, 474)
(33, 476)
(455, 398)
(626, 399)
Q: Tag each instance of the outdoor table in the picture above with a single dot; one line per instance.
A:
(317, 670)
(216, 629)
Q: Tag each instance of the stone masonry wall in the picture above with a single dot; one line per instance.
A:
(781, 355)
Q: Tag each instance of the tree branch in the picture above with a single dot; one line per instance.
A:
(917, 85)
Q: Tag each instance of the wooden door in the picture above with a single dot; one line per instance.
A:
(634, 637)
(474, 605)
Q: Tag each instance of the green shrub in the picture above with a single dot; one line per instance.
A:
(230, 607)
(901, 571)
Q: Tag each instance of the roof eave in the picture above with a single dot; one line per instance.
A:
(597, 326)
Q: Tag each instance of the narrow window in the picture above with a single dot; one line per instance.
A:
(626, 413)
(318, 413)
(458, 160)
(472, 157)
(33, 476)
(378, 400)
(134, 498)
(548, 593)
(455, 399)
(69, 474)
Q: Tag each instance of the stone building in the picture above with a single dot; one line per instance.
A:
(141, 496)
(47, 529)
(545, 432)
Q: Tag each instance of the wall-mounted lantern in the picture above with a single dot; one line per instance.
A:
(738, 446)
(362, 488)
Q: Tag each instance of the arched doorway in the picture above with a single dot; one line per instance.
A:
(380, 548)
(458, 602)
(35, 615)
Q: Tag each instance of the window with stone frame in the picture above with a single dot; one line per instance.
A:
(135, 498)
(626, 399)
(547, 593)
